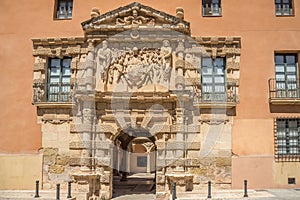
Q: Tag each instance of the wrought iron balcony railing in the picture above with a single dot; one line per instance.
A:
(284, 89)
(58, 92)
(51, 92)
(226, 97)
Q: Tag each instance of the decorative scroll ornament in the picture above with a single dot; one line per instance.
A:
(135, 19)
(56, 121)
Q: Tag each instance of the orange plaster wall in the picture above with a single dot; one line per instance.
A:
(253, 20)
(258, 171)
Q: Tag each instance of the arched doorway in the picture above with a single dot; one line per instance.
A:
(134, 161)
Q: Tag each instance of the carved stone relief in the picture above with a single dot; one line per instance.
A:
(135, 19)
(135, 67)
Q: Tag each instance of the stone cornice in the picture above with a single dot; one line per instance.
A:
(58, 41)
(218, 40)
(109, 21)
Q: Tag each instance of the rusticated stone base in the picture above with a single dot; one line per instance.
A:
(55, 168)
(94, 183)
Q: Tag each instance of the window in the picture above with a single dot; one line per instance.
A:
(59, 76)
(291, 181)
(284, 7)
(141, 161)
(211, 7)
(64, 9)
(288, 137)
(213, 79)
(286, 70)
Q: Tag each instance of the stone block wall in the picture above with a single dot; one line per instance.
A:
(56, 155)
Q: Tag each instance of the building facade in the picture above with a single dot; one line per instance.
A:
(194, 91)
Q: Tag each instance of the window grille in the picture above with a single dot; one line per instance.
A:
(59, 75)
(287, 139)
(284, 7)
(64, 9)
(211, 7)
(213, 80)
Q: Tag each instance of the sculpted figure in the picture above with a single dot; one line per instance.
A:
(116, 70)
(166, 55)
(38, 94)
(104, 58)
(156, 67)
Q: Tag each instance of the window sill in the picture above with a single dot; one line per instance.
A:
(61, 19)
(215, 104)
(53, 104)
(212, 15)
(285, 101)
(292, 15)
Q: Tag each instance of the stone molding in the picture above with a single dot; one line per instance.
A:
(136, 15)
(56, 119)
(214, 119)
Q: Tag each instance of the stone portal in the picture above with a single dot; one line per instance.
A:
(144, 96)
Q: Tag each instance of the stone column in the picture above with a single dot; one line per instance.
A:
(128, 158)
(180, 134)
(118, 161)
(148, 162)
(90, 66)
(180, 65)
(88, 117)
(124, 165)
(88, 110)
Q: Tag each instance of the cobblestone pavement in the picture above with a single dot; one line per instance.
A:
(276, 194)
(273, 194)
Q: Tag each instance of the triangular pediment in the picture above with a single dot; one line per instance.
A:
(135, 15)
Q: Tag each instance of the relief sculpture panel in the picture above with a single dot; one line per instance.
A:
(133, 68)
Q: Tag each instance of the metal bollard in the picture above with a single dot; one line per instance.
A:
(245, 189)
(57, 191)
(209, 190)
(36, 189)
(69, 190)
(174, 191)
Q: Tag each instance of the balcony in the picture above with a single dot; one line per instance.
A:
(56, 94)
(284, 91)
(227, 99)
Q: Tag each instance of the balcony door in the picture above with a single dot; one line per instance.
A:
(213, 79)
(286, 69)
(59, 76)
